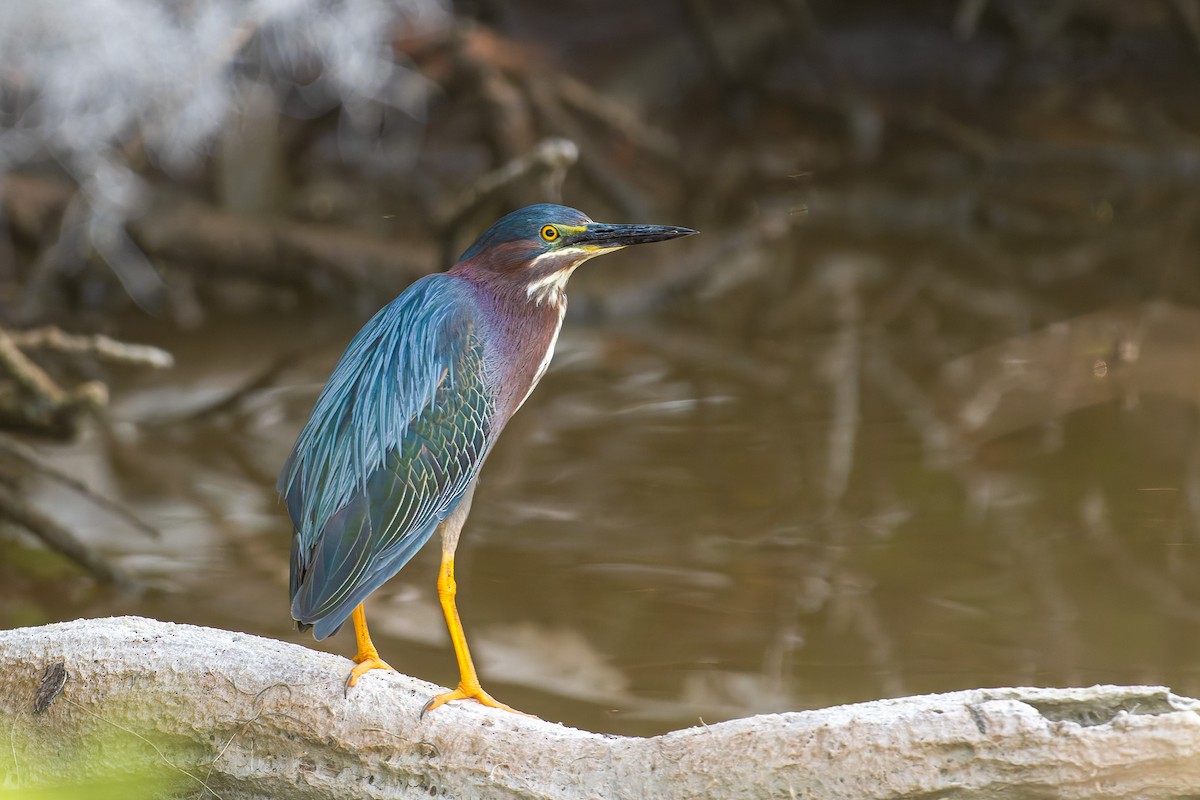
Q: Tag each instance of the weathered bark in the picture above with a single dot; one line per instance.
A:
(205, 710)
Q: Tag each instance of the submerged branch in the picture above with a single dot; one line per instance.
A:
(28, 458)
(59, 539)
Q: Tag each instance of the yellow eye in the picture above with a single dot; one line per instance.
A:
(549, 233)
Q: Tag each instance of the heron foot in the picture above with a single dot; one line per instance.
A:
(363, 665)
(475, 693)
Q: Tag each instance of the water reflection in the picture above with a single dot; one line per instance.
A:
(840, 500)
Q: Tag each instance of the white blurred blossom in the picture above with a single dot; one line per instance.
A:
(80, 76)
(80, 80)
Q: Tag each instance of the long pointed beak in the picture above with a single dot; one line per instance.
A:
(613, 236)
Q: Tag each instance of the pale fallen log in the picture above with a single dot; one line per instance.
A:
(202, 712)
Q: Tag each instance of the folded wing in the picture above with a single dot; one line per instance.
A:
(396, 438)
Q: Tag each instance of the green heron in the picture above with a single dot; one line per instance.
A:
(395, 443)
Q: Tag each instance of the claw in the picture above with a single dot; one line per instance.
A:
(463, 693)
(364, 665)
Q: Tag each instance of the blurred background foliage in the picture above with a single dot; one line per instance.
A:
(916, 412)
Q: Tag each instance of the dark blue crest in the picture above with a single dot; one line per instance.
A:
(525, 224)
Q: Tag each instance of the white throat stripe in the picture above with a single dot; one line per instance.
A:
(556, 281)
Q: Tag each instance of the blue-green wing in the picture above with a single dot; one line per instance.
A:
(396, 438)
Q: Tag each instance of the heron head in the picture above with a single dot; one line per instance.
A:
(540, 246)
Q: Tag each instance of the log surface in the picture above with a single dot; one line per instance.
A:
(214, 713)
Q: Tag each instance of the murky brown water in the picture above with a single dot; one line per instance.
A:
(751, 501)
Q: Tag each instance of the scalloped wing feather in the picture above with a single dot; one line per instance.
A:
(395, 439)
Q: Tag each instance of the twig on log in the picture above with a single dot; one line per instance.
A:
(268, 719)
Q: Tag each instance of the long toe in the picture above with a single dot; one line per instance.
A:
(364, 666)
(462, 693)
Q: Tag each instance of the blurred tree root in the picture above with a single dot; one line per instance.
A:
(549, 159)
(268, 719)
(34, 402)
(216, 243)
(60, 539)
(524, 98)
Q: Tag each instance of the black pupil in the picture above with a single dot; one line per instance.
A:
(549, 233)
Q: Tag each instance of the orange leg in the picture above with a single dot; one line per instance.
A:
(468, 683)
(368, 657)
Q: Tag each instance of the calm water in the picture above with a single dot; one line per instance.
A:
(834, 482)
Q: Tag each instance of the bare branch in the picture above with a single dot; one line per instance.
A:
(98, 345)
